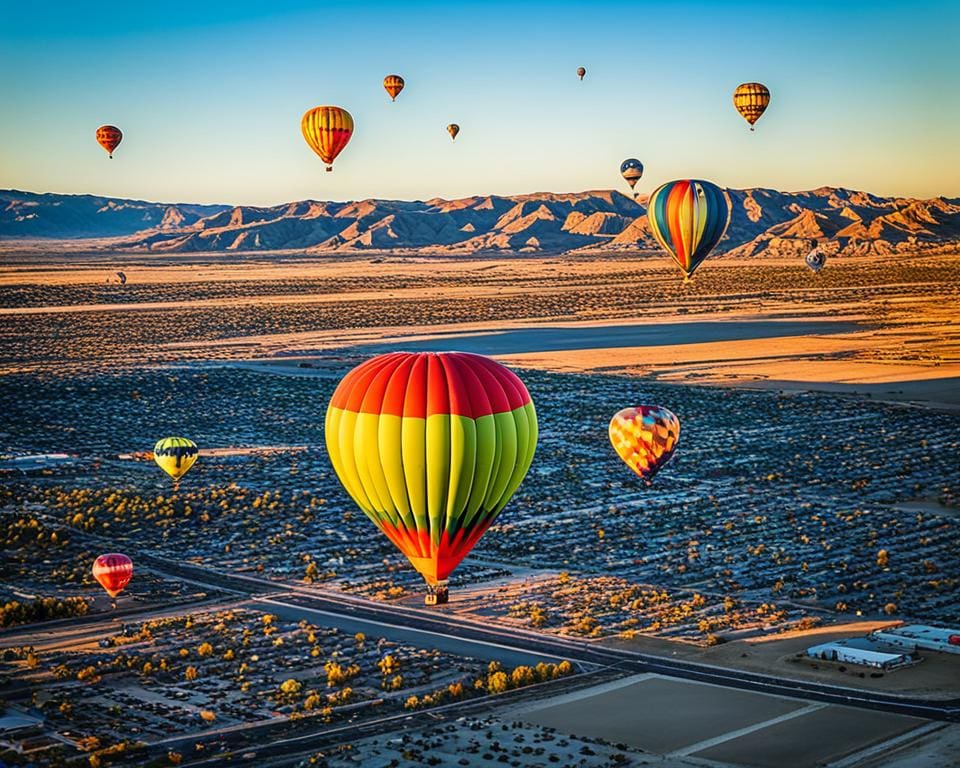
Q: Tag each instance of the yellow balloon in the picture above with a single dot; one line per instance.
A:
(175, 455)
(751, 100)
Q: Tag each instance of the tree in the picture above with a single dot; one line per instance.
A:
(204, 650)
(191, 673)
(497, 682)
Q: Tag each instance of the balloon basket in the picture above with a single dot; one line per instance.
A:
(437, 594)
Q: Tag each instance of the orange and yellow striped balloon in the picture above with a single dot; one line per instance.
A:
(431, 446)
(327, 130)
(393, 85)
(751, 99)
(109, 137)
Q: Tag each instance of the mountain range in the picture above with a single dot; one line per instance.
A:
(762, 222)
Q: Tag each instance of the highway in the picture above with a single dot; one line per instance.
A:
(336, 605)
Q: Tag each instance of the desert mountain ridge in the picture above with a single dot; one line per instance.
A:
(763, 222)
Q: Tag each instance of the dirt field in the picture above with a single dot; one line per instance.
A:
(686, 719)
(882, 327)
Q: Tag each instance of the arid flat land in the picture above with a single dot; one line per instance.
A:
(887, 327)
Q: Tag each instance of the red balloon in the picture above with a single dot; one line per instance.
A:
(114, 572)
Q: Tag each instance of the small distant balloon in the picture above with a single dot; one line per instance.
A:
(113, 572)
(581, 72)
(109, 137)
(816, 260)
(645, 438)
(327, 130)
(393, 85)
(631, 170)
(453, 129)
(751, 100)
(175, 455)
(688, 217)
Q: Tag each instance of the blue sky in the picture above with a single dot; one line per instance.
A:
(209, 96)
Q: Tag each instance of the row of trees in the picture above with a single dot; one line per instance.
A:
(16, 612)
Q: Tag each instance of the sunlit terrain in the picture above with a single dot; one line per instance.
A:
(815, 494)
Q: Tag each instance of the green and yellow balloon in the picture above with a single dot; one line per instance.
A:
(431, 446)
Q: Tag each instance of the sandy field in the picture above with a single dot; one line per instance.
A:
(884, 328)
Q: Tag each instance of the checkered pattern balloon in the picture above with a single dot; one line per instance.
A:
(645, 438)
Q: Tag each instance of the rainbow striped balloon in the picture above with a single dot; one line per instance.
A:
(431, 446)
(688, 217)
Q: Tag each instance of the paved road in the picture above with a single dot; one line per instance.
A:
(443, 625)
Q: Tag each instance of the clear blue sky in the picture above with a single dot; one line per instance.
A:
(209, 96)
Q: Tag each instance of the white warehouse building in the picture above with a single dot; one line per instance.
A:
(859, 651)
(914, 637)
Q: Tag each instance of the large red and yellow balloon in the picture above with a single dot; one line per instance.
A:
(645, 438)
(431, 446)
(688, 217)
(114, 572)
(327, 130)
(109, 137)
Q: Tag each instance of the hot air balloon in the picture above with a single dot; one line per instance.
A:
(751, 100)
(393, 85)
(175, 456)
(688, 217)
(645, 438)
(327, 130)
(453, 129)
(631, 170)
(109, 137)
(581, 72)
(431, 446)
(816, 260)
(114, 572)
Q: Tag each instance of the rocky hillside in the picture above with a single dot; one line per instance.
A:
(763, 221)
(28, 215)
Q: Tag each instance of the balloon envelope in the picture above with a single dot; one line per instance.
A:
(109, 137)
(751, 100)
(688, 217)
(816, 260)
(431, 446)
(581, 72)
(175, 455)
(327, 130)
(393, 84)
(114, 572)
(645, 438)
(453, 129)
(631, 170)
